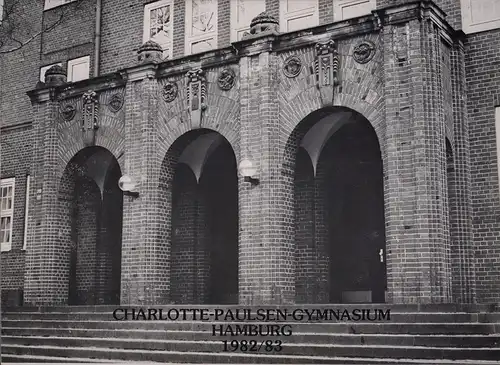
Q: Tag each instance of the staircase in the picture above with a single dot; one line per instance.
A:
(428, 334)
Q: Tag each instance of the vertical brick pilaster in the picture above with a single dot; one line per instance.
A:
(416, 169)
(266, 210)
(462, 249)
(144, 263)
(47, 265)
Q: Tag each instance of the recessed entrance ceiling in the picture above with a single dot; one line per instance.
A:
(315, 139)
(97, 166)
(197, 152)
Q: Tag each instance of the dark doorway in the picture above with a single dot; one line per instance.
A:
(93, 206)
(339, 210)
(204, 254)
(355, 203)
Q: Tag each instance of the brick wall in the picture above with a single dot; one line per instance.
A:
(483, 85)
(262, 118)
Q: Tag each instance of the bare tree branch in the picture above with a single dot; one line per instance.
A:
(17, 28)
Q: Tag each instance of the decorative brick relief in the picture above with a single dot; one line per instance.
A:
(196, 94)
(90, 117)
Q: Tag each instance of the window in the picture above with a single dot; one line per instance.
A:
(347, 9)
(26, 207)
(242, 13)
(480, 15)
(49, 4)
(78, 69)
(158, 24)
(6, 213)
(45, 68)
(201, 26)
(298, 14)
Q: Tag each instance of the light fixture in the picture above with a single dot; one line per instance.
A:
(247, 170)
(127, 185)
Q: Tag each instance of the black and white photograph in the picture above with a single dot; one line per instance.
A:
(250, 181)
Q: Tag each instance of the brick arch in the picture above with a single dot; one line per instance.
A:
(107, 138)
(74, 190)
(307, 102)
(167, 191)
(221, 116)
(293, 138)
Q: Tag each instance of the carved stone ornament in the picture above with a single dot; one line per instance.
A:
(67, 111)
(327, 64)
(262, 23)
(150, 52)
(170, 91)
(226, 79)
(196, 94)
(115, 102)
(292, 66)
(364, 52)
(90, 114)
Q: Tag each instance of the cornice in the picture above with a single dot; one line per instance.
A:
(267, 41)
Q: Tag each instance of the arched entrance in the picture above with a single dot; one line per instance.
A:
(204, 219)
(339, 210)
(92, 210)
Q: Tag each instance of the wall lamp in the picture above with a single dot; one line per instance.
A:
(247, 170)
(127, 185)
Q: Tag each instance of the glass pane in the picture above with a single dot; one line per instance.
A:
(296, 5)
(203, 16)
(485, 10)
(355, 9)
(202, 46)
(301, 23)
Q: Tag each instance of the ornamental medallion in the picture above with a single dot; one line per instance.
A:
(170, 91)
(226, 79)
(364, 52)
(292, 66)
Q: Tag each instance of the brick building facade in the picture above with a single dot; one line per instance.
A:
(370, 126)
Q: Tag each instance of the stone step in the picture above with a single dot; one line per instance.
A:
(158, 356)
(350, 327)
(413, 317)
(269, 345)
(319, 338)
(450, 308)
(152, 350)
(50, 359)
(335, 360)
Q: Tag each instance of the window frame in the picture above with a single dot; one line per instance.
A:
(286, 16)
(7, 246)
(339, 4)
(236, 26)
(189, 39)
(51, 4)
(468, 26)
(74, 62)
(147, 23)
(26, 210)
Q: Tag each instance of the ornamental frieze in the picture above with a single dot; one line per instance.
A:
(196, 94)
